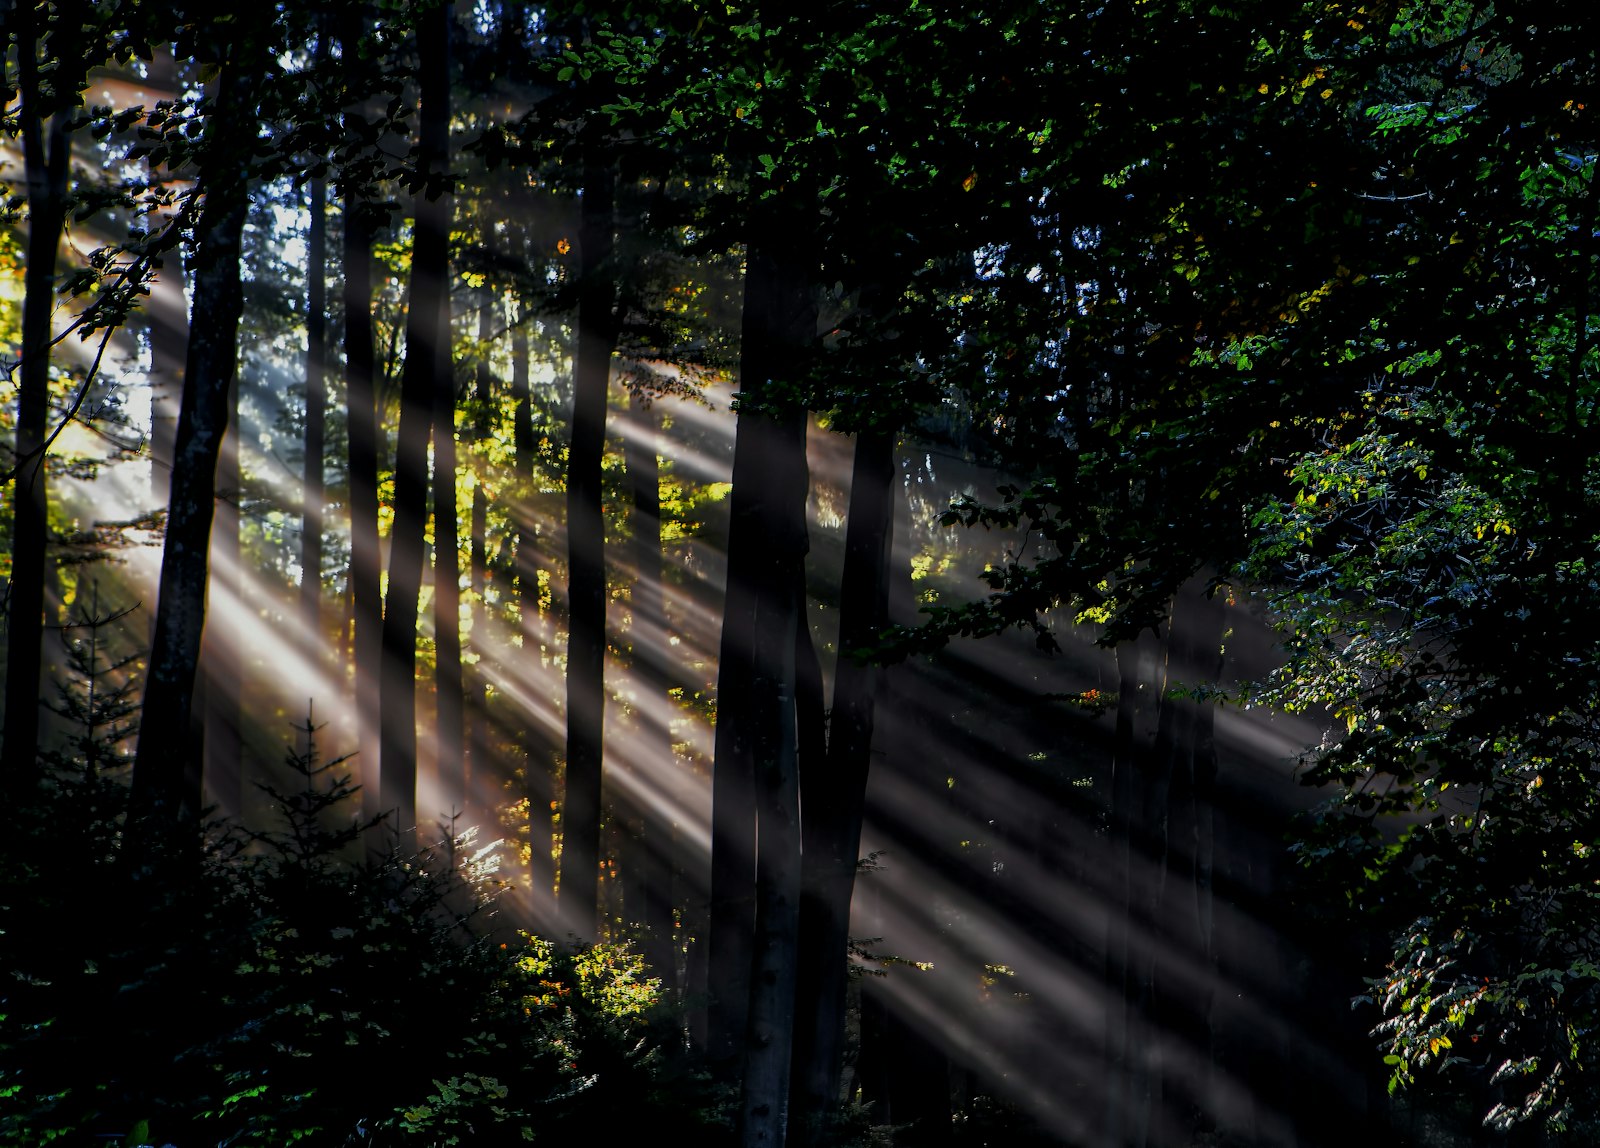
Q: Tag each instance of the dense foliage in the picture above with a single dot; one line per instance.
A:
(1291, 302)
(272, 998)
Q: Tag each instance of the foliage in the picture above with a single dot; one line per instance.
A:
(235, 1004)
(1432, 566)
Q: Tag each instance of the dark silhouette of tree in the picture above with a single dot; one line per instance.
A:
(586, 585)
(312, 491)
(834, 788)
(449, 685)
(426, 329)
(45, 117)
(166, 775)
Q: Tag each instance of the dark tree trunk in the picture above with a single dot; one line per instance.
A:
(835, 798)
(539, 766)
(1185, 992)
(586, 586)
(478, 738)
(169, 341)
(755, 892)
(361, 428)
(449, 688)
(221, 649)
(769, 1028)
(425, 326)
(1141, 673)
(316, 409)
(650, 876)
(168, 314)
(166, 778)
(46, 163)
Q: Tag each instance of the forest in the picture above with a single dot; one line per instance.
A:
(833, 576)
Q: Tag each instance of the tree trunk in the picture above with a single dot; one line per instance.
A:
(1184, 994)
(169, 340)
(361, 429)
(430, 269)
(539, 767)
(769, 1031)
(478, 738)
(1141, 666)
(650, 876)
(316, 408)
(449, 688)
(166, 781)
(46, 163)
(835, 799)
(168, 314)
(222, 647)
(586, 586)
(755, 894)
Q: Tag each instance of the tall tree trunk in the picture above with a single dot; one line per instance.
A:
(539, 766)
(168, 314)
(430, 269)
(1184, 995)
(478, 738)
(650, 874)
(46, 163)
(586, 586)
(316, 407)
(222, 648)
(835, 799)
(361, 429)
(449, 689)
(1141, 672)
(169, 341)
(769, 1028)
(166, 778)
(756, 888)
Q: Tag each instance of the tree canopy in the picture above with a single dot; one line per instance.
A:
(556, 395)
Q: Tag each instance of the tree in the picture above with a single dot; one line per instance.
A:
(427, 354)
(449, 687)
(1431, 565)
(586, 586)
(834, 789)
(316, 392)
(46, 117)
(166, 781)
(648, 896)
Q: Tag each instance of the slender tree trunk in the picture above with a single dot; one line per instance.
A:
(222, 647)
(166, 778)
(1141, 678)
(538, 762)
(449, 687)
(650, 876)
(835, 799)
(46, 164)
(755, 888)
(769, 1031)
(586, 587)
(478, 738)
(361, 429)
(169, 341)
(168, 313)
(430, 268)
(316, 408)
(1184, 995)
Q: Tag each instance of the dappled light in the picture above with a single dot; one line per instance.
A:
(862, 577)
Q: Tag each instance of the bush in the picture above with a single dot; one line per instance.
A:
(292, 990)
